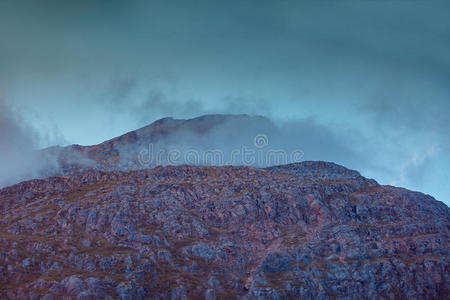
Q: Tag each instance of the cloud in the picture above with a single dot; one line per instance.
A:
(242, 140)
(20, 154)
(157, 104)
(17, 144)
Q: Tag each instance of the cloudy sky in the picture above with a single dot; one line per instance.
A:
(367, 81)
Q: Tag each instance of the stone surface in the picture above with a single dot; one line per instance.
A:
(307, 230)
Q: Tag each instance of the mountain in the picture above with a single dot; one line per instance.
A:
(310, 230)
(122, 153)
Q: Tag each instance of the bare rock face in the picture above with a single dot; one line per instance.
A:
(308, 230)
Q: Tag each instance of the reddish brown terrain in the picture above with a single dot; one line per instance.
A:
(307, 230)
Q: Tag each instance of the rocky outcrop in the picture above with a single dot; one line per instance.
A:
(307, 230)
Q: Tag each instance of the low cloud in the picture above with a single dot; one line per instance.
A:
(20, 155)
(17, 144)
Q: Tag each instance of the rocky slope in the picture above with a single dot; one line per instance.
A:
(308, 230)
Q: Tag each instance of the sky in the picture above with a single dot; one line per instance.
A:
(367, 82)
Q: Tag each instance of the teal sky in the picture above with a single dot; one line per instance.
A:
(373, 75)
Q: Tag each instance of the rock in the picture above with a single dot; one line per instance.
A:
(125, 290)
(27, 262)
(210, 295)
(202, 250)
(312, 230)
(86, 295)
(214, 283)
(74, 285)
(96, 286)
(86, 243)
(178, 293)
(277, 262)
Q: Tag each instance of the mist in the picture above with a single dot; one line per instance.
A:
(17, 148)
